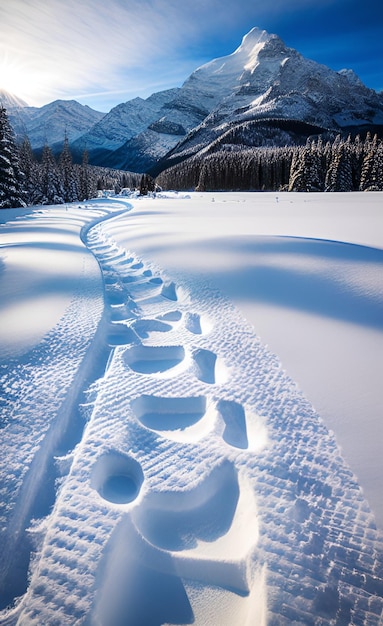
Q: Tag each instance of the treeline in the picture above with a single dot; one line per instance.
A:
(25, 181)
(340, 165)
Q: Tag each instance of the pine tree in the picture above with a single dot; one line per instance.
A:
(68, 175)
(147, 184)
(307, 171)
(87, 180)
(343, 165)
(339, 175)
(11, 178)
(31, 171)
(50, 185)
(372, 168)
(297, 180)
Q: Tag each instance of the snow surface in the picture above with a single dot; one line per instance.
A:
(159, 464)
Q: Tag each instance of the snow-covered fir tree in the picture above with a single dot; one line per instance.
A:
(68, 175)
(146, 184)
(87, 181)
(11, 178)
(31, 170)
(339, 174)
(371, 178)
(307, 170)
(50, 183)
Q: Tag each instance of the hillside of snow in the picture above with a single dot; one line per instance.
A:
(190, 411)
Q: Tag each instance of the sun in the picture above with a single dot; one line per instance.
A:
(17, 78)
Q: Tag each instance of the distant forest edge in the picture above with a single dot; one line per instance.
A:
(339, 164)
(351, 164)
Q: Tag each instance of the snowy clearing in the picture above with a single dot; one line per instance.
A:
(159, 463)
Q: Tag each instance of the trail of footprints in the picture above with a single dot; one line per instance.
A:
(128, 288)
(191, 524)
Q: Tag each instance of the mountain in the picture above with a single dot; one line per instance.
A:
(264, 92)
(48, 124)
(276, 83)
(121, 124)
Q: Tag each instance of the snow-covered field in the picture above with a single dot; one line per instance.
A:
(161, 459)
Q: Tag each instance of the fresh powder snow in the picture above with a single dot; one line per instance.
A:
(190, 411)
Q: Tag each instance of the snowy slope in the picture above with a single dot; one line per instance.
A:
(121, 123)
(195, 483)
(48, 124)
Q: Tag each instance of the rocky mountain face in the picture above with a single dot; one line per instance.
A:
(262, 93)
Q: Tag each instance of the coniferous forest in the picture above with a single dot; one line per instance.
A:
(342, 164)
(337, 165)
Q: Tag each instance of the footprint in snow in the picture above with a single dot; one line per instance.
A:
(196, 324)
(117, 477)
(121, 335)
(153, 359)
(145, 327)
(122, 312)
(169, 291)
(243, 428)
(233, 415)
(141, 288)
(114, 296)
(111, 281)
(182, 419)
(208, 367)
(171, 316)
(178, 520)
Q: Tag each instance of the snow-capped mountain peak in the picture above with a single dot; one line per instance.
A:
(252, 44)
(224, 73)
(254, 37)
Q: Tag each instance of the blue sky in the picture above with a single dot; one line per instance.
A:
(103, 52)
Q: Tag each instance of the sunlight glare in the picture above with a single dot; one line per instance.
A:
(17, 78)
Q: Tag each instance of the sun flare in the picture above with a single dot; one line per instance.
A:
(17, 79)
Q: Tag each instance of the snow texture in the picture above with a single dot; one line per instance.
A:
(158, 465)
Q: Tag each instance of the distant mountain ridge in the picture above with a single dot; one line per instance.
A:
(262, 92)
(50, 123)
